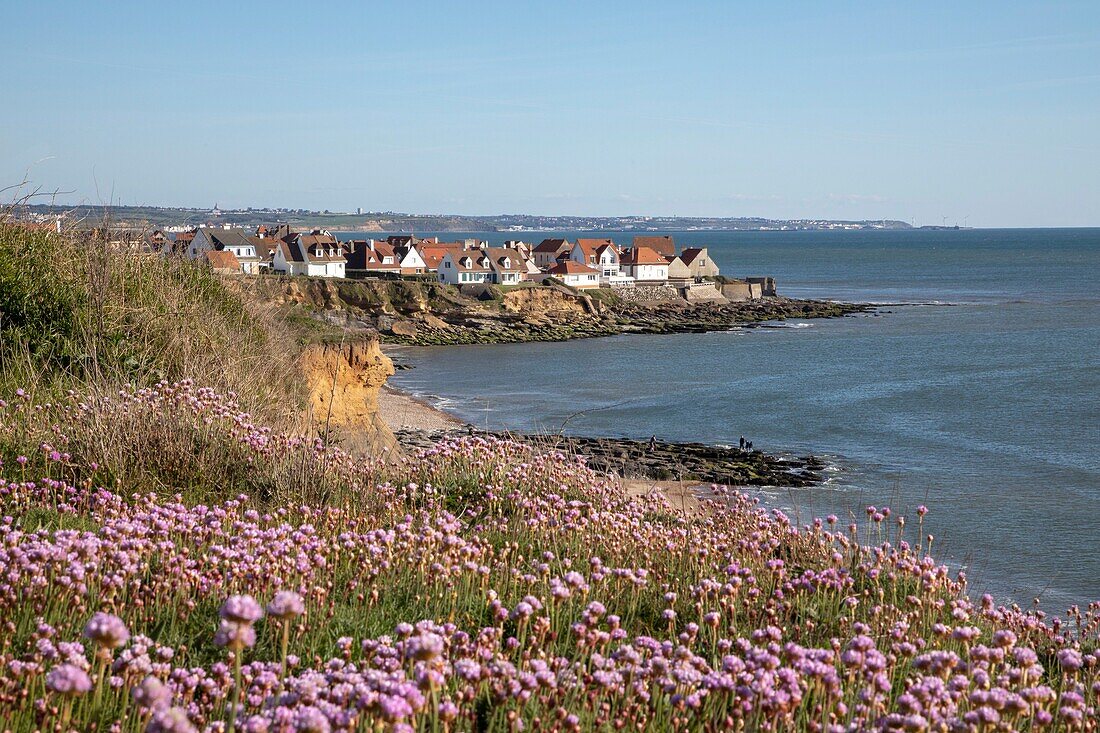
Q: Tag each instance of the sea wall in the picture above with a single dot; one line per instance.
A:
(704, 292)
(648, 294)
(741, 290)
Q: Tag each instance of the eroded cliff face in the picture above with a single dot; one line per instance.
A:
(344, 381)
(549, 303)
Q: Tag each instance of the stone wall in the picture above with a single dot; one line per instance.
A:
(767, 285)
(702, 292)
(648, 294)
(739, 290)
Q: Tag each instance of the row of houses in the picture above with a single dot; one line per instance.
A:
(583, 263)
(651, 260)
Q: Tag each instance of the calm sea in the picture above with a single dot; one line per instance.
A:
(976, 391)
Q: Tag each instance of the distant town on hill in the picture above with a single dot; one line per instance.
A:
(389, 221)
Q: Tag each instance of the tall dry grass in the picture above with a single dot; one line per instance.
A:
(92, 311)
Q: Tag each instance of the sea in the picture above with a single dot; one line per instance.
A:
(973, 389)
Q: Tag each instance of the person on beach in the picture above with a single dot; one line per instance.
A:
(742, 443)
(653, 443)
(748, 446)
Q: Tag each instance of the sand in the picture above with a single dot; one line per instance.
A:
(402, 411)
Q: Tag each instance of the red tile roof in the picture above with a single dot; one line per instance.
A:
(591, 248)
(223, 260)
(643, 256)
(433, 254)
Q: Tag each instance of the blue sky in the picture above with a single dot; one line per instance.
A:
(987, 113)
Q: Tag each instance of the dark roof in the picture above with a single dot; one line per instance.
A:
(360, 256)
(690, 253)
(475, 258)
(498, 254)
(227, 237)
(290, 250)
(265, 247)
(663, 244)
(551, 245)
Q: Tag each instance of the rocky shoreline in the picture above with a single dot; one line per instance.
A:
(666, 317)
(660, 460)
(425, 313)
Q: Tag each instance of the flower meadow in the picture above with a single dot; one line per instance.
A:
(478, 585)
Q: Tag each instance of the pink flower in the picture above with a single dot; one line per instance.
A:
(151, 694)
(235, 636)
(241, 609)
(285, 605)
(68, 680)
(107, 630)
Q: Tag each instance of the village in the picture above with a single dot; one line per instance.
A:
(582, 264)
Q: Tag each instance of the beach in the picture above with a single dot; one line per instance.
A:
(403, 411)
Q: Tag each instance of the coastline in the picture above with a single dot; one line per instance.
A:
(404, 412)
(401, 410)
(672, 467)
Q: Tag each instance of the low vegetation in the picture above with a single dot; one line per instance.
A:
(256, 580)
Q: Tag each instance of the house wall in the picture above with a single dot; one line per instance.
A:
(677, 270)
(704, 266)
(546, 259)
(651, 273)
(325, 269)
(198, 246)
(582, 282)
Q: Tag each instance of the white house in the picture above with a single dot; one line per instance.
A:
(576, 275)
(603, 255)
(507, 265)
(236, 241)
(412, 263)
(317, 254)
(644, 265)
(464, 267)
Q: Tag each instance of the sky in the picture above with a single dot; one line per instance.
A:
(984, 114)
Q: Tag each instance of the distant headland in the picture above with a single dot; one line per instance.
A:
(389, 221)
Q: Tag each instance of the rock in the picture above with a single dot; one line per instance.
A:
(407, 329)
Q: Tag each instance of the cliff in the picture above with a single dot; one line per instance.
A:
(343, 381)
(427, 313)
